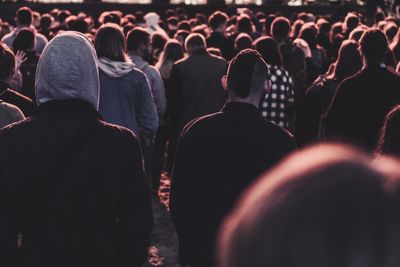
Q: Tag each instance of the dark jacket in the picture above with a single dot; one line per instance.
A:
(222, 42)
(74, 186)
(360, 105)
(218, 156)
(197, 89)
(8, 95)
(313, 108)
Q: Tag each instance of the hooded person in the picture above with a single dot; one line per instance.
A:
(152, 24)
(80, 198)
(126, 98)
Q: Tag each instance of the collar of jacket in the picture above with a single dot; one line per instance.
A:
(200, 51)
(67, 108)
(241, 107)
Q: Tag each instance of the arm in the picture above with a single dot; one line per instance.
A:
(146, 109)
(135, 218)
(159, 93)
(175, 96)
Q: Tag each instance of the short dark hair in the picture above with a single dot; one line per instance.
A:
(269, 50)
(217, 19)
(7, 62)
(137, 37)
(45, 21)
(247, 65)
(109, 42)
(25, 40)
(24, 16)
(280, 28)
(184, 25)
(374, 46)
(322, 206)
(243, 41)
(309, 34)
(244, 24)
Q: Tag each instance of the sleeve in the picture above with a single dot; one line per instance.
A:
(135, 218)
(147, 113)
(159, 93)
(175, 96)
(175, 205)
(337, 117)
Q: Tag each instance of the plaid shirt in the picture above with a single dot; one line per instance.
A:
(280, 98)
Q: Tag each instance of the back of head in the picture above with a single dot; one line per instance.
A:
(247, 74)
(217, 19)
(45, 21)
(136, 38)
(195, 42)
(325, 206)
(173, 50)
(268, 48)
(24, 41)
(63, 15)
(349, 60)
(280, 28)
(24, 16)
(110, 42)
(309, 34)
(243, 41)
(244, 24)
(67, 69)
(374, 46)
(389, 142)
(351, 22)
(7, 63)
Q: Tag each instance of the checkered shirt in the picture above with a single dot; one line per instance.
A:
(280, 98)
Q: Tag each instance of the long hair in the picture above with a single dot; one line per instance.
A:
(173, 51)
(109, 42)
(389, 142)
(349, 60)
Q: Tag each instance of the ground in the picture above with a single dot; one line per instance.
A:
(164, 246)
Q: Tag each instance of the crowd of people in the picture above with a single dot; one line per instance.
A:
(94, 110)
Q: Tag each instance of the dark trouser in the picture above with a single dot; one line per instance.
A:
(163, 134)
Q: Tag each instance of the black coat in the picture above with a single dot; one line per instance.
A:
(218, 156)
(196, 88)
(74, 186)
(360, 105)
(218, 40)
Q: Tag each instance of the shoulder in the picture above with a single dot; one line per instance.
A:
(276, 130)
(217, 59)
(41, 37)
(202, 125)
(8, 36)
(12, 110)
(181, 61)
(153, 71)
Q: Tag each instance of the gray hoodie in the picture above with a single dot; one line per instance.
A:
(68, 69)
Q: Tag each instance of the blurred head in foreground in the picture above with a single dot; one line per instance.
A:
(338, 208)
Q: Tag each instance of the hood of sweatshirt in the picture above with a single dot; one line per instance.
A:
(115, 69)
(67, 69)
